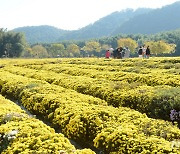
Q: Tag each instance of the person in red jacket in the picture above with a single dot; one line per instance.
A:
(108, 54)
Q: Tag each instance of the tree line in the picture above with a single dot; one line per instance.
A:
(94, 48)
(13, 44)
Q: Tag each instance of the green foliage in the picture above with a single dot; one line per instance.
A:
(11, 44)
(57, 50)
(41, 34)
(158, 20)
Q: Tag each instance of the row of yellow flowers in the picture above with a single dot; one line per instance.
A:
(155, 101)
(90, 120)
(22, 133)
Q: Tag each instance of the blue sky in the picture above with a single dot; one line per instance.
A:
(65, 14)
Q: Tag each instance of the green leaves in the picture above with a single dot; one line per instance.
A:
(11, 44)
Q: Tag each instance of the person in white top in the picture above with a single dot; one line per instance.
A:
(144, 51)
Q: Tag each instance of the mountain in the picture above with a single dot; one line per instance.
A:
(129, 21)
(44, 33)
(104, 26)
(158, 20)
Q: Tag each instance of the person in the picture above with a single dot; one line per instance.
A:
(114, 53)
(148, 52)
(123, 52)
(144, 51)
(140, 52)
(119, 53)
(108, 54)
(126, 52)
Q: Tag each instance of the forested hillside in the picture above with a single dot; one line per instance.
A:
(104, 26)
(44, 33)
(158, 20)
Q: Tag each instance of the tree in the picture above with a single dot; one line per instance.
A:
(57, 50)
(172, 37)
(127, 42)
(92, 47)
(28, 52)
(11, 44)
(73, 49)
(105, 47)
(1, 41)
(39, 51)
(160, 47)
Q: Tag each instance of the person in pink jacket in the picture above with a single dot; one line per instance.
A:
(108, 54)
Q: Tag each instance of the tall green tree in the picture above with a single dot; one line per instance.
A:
(11, 44)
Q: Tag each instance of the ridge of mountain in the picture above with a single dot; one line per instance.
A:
(157, 20)
(41, 34)
(104, 26)
(129, 21)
